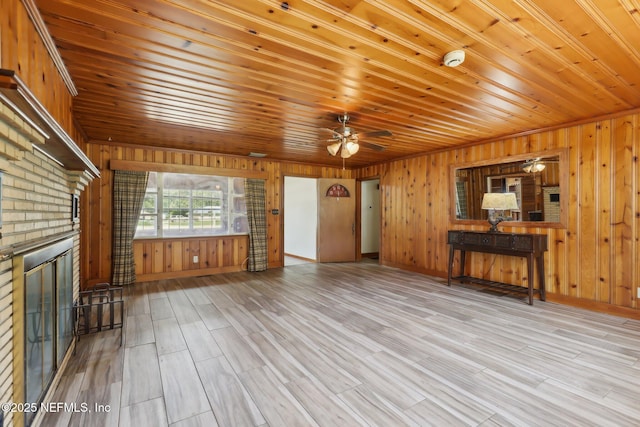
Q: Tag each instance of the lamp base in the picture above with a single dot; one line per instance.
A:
(494, 224)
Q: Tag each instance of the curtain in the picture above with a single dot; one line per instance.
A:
(129, 188)
(254, 195)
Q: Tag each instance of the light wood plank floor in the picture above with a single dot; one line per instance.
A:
(351, 345)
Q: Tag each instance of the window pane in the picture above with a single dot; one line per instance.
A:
(239, 208)
(148, 221)
(191, 205)
(175, 205)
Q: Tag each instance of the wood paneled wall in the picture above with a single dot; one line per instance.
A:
(22, 50)
(36, 193)
(160, 258)
(593, 259)
(96, 262)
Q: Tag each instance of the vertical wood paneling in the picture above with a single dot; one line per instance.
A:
(168, 257)
(157, 254)
(219, 254)
(174, 258)
(625, 243)
(593, 258)
(36, 191)
(587, 226)
(634, 136)
(603, 189)
(176, 255)
(212, 253)
(570, 286)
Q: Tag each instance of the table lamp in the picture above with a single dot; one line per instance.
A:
(498, 202)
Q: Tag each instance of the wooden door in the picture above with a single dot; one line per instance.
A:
(336, 220)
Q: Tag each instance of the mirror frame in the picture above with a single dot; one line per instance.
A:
(562, 154)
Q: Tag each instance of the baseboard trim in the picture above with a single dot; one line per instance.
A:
(188, 273)
(600, 307)
(300, 257)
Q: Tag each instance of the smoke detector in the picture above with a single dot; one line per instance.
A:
(454, 58)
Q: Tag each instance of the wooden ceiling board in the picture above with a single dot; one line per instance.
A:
(235, 77)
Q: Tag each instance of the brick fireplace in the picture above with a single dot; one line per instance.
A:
(43, 172)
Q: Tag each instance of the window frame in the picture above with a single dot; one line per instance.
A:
(248, 168)
(228, 213)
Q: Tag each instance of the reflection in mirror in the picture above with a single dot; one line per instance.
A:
(535, 182)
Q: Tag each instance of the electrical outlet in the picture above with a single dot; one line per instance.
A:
(195, 259)
(638, 290)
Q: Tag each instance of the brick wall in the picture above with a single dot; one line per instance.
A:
(551, 209)
(36, 204)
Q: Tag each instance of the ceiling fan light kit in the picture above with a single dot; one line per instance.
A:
(533, 166)
(333, 148)
(349, 149)
(346, 140)
(352, 147)
(454, 58)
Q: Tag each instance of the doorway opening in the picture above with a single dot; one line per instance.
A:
(370, 219)
(300, 220)
(320, 224)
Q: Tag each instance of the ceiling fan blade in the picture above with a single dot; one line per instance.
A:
(375, 147)
(374, 134)
(333, 131)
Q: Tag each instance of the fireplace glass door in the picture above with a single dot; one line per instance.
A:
(64, 285)
(48, 323)
(39, 330)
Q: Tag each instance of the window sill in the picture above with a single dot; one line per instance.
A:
(200, 236)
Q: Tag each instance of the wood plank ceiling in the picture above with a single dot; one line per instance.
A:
(263, 76)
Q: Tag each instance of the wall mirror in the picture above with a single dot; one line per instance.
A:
(539, 181)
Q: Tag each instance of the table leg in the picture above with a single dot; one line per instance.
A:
(543, 291)
(530, 277)
(450, 265)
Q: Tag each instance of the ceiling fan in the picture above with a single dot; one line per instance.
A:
(347, 141)
(536, 165)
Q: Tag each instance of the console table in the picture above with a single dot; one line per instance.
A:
(529, 246)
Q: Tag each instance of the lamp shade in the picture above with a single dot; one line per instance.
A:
(533, 166)
(352, 147)
(333, 148)
(499, 201)
(538, 167)
(345, 153)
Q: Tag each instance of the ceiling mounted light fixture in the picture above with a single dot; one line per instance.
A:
(454, 58)
(533, 166)
(333, 148)
(346, 140)
(349, 149)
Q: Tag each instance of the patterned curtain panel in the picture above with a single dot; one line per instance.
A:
(254, 196)
(128, 194)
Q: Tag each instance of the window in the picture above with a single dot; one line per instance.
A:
(177, 205)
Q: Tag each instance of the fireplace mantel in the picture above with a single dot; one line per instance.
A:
(57, 143)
